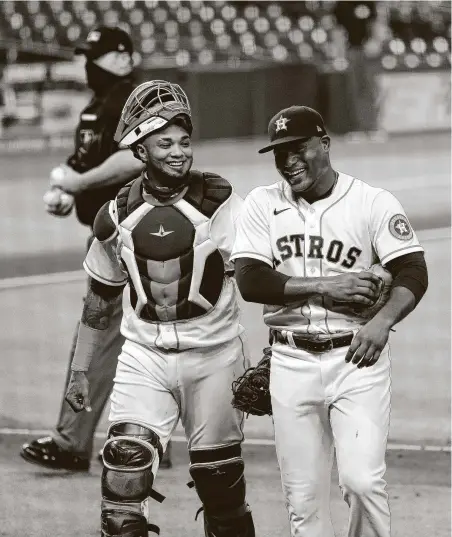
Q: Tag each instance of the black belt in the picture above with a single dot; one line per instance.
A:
(313, 345)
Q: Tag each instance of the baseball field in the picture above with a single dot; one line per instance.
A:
(41, 287)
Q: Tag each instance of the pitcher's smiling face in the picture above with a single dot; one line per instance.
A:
(302, 163)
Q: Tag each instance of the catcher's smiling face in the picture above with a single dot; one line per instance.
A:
(168, 155)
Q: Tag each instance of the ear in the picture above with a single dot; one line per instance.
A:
(325, 143)
(140, 152)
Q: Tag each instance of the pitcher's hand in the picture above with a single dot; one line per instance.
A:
(368, 343)
(357, 287)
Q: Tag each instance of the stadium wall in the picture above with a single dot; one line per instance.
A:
(236, 102)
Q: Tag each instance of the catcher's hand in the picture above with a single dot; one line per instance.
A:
(367, 312)
(251, 391)
(77, 393)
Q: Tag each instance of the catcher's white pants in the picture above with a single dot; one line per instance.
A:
(155, 388)
(320, 403)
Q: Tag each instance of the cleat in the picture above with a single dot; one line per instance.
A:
(47, 453)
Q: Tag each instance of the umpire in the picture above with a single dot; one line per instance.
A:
(91, 176)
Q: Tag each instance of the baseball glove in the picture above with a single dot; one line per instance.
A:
(251, 391)
(367, 312)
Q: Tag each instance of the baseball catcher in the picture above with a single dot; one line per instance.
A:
(164, 243)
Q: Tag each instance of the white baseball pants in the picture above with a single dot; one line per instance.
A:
(156, 388)
(320, 403)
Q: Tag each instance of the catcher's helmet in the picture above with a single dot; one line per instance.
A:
(149, 108)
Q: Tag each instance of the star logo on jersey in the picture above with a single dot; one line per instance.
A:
(161, 232)
(400, 227)
(281, 124)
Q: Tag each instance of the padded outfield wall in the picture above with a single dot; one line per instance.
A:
(238, 102)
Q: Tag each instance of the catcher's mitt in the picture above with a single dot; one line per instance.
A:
(367, 312)
(251, 391)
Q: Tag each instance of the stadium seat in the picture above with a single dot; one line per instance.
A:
(205, 32)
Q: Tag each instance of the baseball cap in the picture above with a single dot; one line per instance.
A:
(104, 39)
(294, 123)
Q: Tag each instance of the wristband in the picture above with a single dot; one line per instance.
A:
(88, 341)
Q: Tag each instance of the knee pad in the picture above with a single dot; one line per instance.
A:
(131, 457)
(219, 481)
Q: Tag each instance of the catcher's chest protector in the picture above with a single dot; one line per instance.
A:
(175, 270)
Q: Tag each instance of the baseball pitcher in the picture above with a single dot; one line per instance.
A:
(337, 264)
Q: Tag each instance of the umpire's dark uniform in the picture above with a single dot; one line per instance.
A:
(72, 441)
(93, 145)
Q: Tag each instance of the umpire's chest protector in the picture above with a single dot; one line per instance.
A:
(175, 269)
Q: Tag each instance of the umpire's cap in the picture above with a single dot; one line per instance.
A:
(294, 123)
(104, 39)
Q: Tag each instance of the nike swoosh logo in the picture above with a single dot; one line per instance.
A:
(275, 212)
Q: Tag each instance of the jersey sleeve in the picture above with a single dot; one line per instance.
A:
(391, 232)
(224, 226)
(253, 229)
(102, 263)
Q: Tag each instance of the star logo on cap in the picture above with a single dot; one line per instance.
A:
(319, 129)
(281, 124)
(121, 47)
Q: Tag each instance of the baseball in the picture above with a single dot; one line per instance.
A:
(58, 202)
(52, 197)
(57, 173)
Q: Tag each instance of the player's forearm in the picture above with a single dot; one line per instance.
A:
(297, 289)
(409, 286)
(260, 283)
(98, 310)
(401, 303)
(116, 169)
(99, 305)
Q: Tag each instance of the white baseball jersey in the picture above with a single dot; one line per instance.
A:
(113, 262)
(356, 226)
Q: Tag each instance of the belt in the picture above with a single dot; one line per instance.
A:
(309, 344)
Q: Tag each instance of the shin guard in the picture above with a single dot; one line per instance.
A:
(131, 456)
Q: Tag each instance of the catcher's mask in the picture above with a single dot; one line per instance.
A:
(149, 108)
